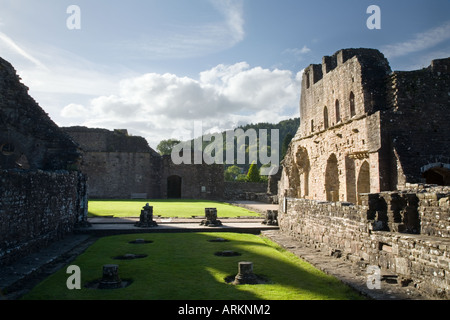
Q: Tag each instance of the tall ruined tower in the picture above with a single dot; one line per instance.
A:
(351, 139)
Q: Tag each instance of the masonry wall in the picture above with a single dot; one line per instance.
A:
(416, 126)
(38, 208)
(118, 166)
(357, 232)
(337, 152)
(198, 181)
(120, 175)
(234, 190)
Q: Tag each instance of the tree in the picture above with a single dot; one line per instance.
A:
(253, 173)
(232, 172)
(165, 146)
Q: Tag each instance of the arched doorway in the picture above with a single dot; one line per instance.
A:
(363, 184)
(174, 187)
(332, 179)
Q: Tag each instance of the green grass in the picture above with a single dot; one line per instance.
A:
(165, 208)
(184, 267)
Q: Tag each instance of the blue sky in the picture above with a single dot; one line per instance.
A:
(154, 67)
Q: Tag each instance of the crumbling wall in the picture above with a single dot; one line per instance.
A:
(42, 195)
(29, 139)
(416, 126)
(367, 234)
(337, 152)
(366, 134)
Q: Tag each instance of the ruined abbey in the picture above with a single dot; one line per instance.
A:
(367, 171)
(366, 176)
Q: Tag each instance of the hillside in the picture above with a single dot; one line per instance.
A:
(287, 129)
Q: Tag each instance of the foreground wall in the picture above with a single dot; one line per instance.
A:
(367, 234)
(38, 208)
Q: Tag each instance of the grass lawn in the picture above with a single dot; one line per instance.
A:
(184, 267)
(165, 208)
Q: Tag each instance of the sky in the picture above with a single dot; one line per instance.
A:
(158, 67)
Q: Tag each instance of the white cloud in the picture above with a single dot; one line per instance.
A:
(421, 41)
(298, 53)
(159, 106)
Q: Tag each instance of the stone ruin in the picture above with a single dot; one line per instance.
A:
(146, 218)
(43, 195)
(246, 275)
(110, 279)
(122, 166)
(271, 218)
(368, 171)
(211, 218)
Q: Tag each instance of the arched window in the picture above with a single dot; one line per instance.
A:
(352, 105)
(312, 125)
(338, 112)
(325, 118)
(308, 83)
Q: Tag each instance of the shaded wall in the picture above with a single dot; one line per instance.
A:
(38, 208)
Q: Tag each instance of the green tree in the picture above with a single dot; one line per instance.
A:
(165, 146)
(253, 173)
(232, 172)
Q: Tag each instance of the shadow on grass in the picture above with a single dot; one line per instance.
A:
(185, 267)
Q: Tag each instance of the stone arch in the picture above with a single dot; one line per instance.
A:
(363, 183)
(332, 179)
(437, 175)
(174, 187)
(352, 105)
(325, 118)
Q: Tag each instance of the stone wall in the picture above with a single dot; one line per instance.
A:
(118, 166)
(366, 234)
(359, 129)
(252, 191)
(43, 196)
(418, 147)
(191, 181)
(38, 208)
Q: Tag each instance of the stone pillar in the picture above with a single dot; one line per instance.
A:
(211, 218)
(110, 279)
(245, 274)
